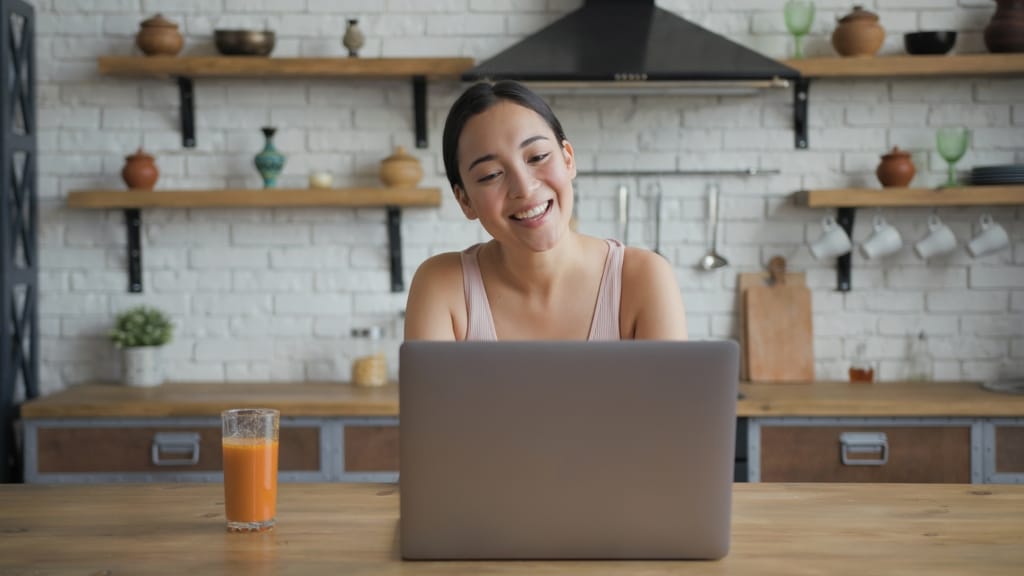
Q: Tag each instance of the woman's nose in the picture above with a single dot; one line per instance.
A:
(521, 181)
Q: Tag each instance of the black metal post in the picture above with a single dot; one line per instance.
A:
(395, 248)
(419, 109)
(845, 220)
(801, 92)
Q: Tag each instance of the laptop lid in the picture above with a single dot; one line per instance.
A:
(567, 450)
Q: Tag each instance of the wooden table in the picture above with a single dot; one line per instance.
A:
(352, 529)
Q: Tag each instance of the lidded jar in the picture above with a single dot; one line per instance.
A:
(896, 169)
(401, 170)
(1005, 31)
(159, 36)
(369, 363)
(858, 33)
(140, 171)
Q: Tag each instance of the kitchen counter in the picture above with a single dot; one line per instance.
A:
(890, 399)
(353, 528)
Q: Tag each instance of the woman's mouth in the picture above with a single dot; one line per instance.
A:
(533, 213)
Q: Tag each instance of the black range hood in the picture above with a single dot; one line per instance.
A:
(630, 44)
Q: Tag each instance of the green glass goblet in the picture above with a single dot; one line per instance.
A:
(799, 17)
(951, 142)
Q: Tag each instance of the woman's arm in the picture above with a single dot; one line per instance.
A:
(651, 297)
(436, 289)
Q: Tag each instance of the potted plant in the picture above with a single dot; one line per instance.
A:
(140, 332)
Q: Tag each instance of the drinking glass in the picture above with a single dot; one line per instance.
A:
(799, 17)
(250, 449)
(951, 142)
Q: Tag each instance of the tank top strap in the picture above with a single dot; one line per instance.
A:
(479, 322)
(605, 325)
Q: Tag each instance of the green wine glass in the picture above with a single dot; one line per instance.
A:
(799, 17)
(951, 142)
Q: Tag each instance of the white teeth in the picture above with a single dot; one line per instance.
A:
(531, 213)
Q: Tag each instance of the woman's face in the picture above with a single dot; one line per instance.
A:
(517, 177)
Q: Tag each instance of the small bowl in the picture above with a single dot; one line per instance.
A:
(244, 42)
(932, 42)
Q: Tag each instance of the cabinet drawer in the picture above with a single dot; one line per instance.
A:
(1009, 449)
(371, 448)
(912, 454)
(67, 450)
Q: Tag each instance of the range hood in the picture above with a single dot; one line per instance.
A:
(631, 45)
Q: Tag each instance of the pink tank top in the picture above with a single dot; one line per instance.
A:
(604, 326)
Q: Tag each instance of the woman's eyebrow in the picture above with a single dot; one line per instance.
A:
(522, 145)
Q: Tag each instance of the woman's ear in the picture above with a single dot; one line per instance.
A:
(463, 199)
(570, 158)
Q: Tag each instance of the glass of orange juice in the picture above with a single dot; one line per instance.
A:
(249, 442)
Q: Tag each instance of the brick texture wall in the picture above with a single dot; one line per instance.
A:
(271, 294)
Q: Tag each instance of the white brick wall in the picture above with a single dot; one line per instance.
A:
(272, 294)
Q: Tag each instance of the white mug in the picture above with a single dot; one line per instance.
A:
(883, 241)
(992, 238)
(833, 242)
(940, 239)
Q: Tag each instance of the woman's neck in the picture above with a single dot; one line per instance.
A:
(536, 274)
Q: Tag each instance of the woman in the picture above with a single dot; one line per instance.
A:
(511, 167)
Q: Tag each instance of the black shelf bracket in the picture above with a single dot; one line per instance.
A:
(133, 222)
(419, 109)
(395, 248)
(188, 112)
(845, 220)
(801, 90)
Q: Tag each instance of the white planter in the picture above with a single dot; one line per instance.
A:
(142, 366)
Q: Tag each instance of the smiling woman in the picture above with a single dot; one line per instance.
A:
(511, 167)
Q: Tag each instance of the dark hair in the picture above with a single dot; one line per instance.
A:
(477, 99)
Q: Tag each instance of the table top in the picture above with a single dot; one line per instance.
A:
(328, 399)
(335, 529)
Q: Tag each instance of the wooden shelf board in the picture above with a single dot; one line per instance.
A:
(276, 197)
(252, 66)
(867, 197)
(892, 66)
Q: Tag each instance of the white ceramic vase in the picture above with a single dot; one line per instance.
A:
(142, 366)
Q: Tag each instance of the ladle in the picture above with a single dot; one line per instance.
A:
(713, 260)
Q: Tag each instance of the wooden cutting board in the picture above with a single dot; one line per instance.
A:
(778, 335)
(747, 280)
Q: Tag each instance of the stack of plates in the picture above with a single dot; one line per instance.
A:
(1005, 174)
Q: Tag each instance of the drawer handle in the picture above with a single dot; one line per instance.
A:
(175, 443)
(864, 443)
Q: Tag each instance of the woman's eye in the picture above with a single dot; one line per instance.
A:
(539, 157)
(488, 177)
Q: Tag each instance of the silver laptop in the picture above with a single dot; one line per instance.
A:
(567, 450)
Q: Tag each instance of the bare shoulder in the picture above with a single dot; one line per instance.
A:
(652, 304)
(436, 302)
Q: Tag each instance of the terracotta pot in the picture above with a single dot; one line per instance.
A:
(858, 34)
(896, 169)
(401, 170)
(140, 172)
(159, 36)
(1005, 32)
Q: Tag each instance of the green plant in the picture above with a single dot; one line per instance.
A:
(141, 326)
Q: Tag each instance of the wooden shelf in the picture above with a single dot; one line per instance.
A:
(249, 66)
(262, 198)
(868, 197)
(902, 66)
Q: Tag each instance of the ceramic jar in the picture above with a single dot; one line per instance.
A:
(858, 34)
(401, 170)
(1005, 32)
(140, 171)
(159, 36)
(896, 169)
(353, 39)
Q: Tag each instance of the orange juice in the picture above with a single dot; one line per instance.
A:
(250, 479)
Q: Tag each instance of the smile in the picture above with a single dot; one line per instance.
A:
(533, 213)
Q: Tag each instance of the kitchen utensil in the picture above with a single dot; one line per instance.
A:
(779, 335)
(657, 218)
(799, 15)
(623, 213)
(244, 42)
(884, 240)
(929, 42)
(713, 260)
(834, 241)
(747, 280)
(992, 238)
(940, 239)
(951, 142)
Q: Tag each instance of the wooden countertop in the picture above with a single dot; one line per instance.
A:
(890, 399)
(334, 529)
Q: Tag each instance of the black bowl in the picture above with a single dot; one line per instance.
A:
(244, 42)
(934, 42)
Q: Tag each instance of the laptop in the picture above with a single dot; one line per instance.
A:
(567, 450)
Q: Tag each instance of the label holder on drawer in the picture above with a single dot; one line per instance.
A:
(175, 443)
(864, 443)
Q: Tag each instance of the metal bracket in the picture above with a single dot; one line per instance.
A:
(133, 222)
(419, 109)
(188, 112)
(395, 248)
(800, 96)
(845, 220)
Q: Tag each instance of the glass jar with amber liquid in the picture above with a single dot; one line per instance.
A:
(861, 369)
(370, 365)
